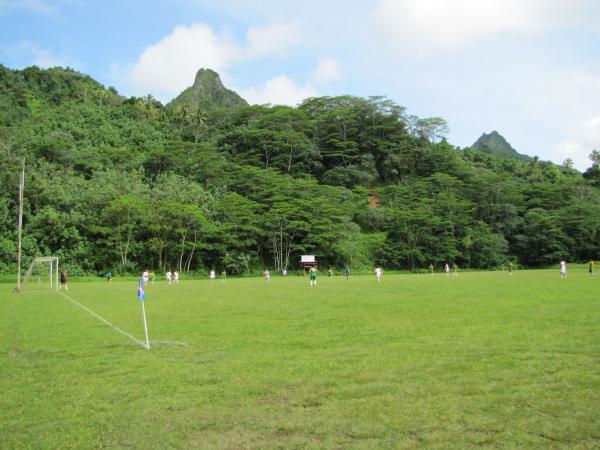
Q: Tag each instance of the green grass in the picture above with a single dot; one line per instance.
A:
(482, 359)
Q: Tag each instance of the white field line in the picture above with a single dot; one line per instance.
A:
(114, 327)
(167, 342)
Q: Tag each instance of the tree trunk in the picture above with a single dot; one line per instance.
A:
(191, 255)
(126, 250)
(289, 166)
(180, 265)
(266, 156)
(160, 259)
(275, 251)
(280, 247)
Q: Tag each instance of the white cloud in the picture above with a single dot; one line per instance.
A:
(36, 55)
(577, 96)
(579, 88)
(584, 138)
(169, 66)
(454, 23)
(275, 39)
(328, 71)
(280, 90)
(41, 7)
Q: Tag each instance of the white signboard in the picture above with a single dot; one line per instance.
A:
(307, 258)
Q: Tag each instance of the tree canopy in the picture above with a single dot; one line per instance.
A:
(115, 183)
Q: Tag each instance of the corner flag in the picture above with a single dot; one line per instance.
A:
(140, 293)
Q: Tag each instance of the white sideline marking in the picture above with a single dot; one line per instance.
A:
(166, 342)
(114, 327)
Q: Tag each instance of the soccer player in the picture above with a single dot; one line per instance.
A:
(313, 276)
(175, 277)
(511, 266)
(145, 277)
(591, 265)
(152, 277)
(378, 273)
(169, 276)
(212, 275)
(267, 275)
(330, 272)
(431, 269)
(284, 272)
(447, 269)
(347, 272)
(454, 270)
(223, 276)
(109, 277)
(563, 269)
(63, 280)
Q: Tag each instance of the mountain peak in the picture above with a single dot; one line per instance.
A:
(206, 77)
(496, 144)
(208, 93)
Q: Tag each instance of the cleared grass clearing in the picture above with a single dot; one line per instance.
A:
(415, 361)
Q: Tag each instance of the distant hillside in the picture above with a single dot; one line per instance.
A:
(208, 93)
(495, 144)
(119, 184)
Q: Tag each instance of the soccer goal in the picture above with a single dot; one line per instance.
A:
(41, 269)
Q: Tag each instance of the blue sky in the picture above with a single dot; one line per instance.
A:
(529, 69)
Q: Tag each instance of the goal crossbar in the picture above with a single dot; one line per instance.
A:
(53, 272)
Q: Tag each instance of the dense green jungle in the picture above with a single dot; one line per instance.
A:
(208, 181)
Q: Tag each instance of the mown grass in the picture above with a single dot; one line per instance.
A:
(482, 359)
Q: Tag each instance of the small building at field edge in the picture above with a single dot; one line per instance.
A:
(308, 261)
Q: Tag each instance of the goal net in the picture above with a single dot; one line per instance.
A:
(43, 270)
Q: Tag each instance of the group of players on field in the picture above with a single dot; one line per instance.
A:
(312, 271)
(172, 278)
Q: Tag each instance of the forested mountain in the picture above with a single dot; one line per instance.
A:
(207, 93)
(495, 144)
(118, 184)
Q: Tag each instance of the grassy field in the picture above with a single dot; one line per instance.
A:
(482, 359)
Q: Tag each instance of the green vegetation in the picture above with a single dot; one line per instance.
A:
(118, 184)
(495, 144)
(207, 93)
(482, 359)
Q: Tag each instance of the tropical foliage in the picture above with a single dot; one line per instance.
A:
(119, 184)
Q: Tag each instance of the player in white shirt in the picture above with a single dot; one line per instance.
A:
(169, 277)
(378, 273)
(212, 275)
(267, 276)
(447, 269)
(176, 277)
(145, 277)
(563, 269)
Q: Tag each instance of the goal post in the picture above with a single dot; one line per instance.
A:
(51, 263)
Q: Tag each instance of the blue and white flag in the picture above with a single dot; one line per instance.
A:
(141, 294)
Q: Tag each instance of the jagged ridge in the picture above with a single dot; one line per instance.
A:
(208, 93)
(495, 144)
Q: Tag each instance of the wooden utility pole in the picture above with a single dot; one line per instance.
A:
(21, 193)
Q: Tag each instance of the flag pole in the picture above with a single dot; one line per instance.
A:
(145, 326)
(142, 297)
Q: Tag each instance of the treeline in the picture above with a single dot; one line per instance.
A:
(119, 184)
